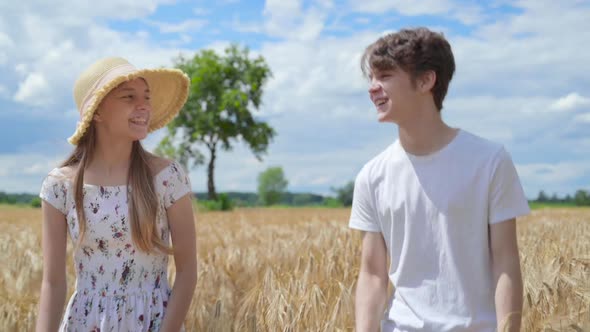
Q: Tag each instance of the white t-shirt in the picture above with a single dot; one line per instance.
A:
(433, 212)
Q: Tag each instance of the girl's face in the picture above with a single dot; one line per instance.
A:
(125, 111)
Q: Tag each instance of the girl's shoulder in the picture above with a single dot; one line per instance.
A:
(56, 188)
(171, 179)
(159, 165)
(63, 174)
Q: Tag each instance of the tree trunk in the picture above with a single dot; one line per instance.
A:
(211, 194)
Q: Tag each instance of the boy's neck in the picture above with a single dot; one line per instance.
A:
(425, 133)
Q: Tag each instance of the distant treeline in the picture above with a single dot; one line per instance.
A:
(6, 198)
(343, 198)
(237, 199)
(580, 198)
(287, 198)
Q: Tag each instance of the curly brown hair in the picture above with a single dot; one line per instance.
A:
(415, 51)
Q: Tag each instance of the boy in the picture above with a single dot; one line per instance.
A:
(438, 205)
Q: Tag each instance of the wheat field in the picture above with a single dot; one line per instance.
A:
(295, 269)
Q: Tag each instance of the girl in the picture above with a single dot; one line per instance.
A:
(120, 205)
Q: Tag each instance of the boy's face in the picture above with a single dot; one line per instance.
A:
(393, 93)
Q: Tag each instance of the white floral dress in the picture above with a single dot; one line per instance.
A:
(118, 286)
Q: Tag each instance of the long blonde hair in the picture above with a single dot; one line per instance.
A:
(143, 200)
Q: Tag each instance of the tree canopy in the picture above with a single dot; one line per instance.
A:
(271, 185)
(225, 90)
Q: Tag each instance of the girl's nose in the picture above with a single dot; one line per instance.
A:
(143, 103)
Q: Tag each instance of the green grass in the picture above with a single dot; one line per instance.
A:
(285, 206)
(532, 205)
(550, 205)
(15, 206)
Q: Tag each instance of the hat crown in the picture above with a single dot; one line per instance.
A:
(89, 78)
(169, 91)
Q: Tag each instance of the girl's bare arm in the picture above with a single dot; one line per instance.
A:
(53, 287)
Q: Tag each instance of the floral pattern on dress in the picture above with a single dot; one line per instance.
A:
(118, 287)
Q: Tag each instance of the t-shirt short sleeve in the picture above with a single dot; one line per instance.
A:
(54, 191)
(363, 213)
(507, 199)
(176, 184)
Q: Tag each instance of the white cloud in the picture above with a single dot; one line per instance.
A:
(34, 90)
(21, 69)
(363, 20)
(74, 10)
(191, 25)
(25, 172)
(404, 7)
(325, 3)
(526, 125)
(219, 46)
(517, 53)
(506, 118)
(556, 177)
(287, 19)
(55, 46)
(510, 75)
(310, 171)
(5, 41)
(318, 81)
(41, 167)
(467, 14)
(201, 11)
(570, 102)
(583, 118)
(4, 92)
(321, 76)
(282, 9)
(246, 27)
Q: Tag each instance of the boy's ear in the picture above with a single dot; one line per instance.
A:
(426, 81)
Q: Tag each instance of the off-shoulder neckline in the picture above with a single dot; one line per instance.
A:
(89, 185)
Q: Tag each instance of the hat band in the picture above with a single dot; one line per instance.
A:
(121, 70)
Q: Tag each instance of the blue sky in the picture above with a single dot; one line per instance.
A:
(521, 80)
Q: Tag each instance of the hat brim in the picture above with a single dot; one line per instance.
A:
(169, 90)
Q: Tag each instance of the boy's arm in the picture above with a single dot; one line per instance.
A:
(507, 275)
(371, 289)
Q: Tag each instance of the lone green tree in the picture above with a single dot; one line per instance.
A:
(581, 198)
(271, 185)
(224, 91)
(542, 197)
(345, 193)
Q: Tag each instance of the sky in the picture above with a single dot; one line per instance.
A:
(521, 80)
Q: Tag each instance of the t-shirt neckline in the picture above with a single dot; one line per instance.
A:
(422, 158)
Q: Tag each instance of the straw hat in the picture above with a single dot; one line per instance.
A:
(168, 91)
